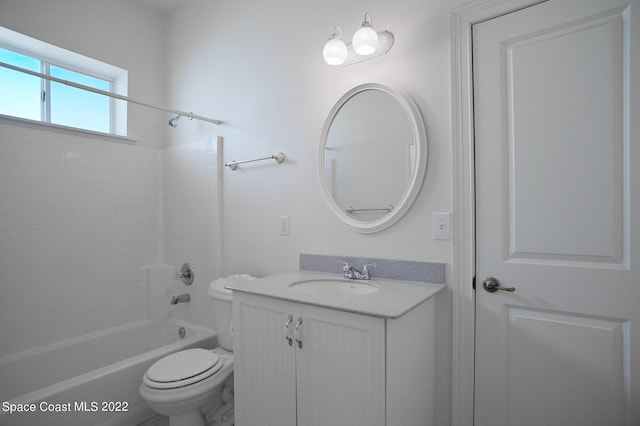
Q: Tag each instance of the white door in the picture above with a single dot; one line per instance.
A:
(557, 146)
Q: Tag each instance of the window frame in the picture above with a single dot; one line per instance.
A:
(50, 55)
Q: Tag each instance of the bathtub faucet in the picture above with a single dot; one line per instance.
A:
(183, 298)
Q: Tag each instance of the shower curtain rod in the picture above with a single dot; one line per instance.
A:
(189, 115)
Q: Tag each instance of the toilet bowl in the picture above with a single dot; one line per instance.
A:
(194, 387)
(191, 386)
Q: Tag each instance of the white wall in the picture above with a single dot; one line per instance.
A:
(257, 65)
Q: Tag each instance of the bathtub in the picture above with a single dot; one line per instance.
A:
(91, 380)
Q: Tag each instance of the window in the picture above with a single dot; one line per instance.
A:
(29, 97)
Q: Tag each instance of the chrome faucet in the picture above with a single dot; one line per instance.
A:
(183, 298)
(353, 274)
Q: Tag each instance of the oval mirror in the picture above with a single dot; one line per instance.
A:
(372, 157)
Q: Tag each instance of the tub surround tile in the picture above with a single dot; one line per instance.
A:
(404, 270)
(78, 217)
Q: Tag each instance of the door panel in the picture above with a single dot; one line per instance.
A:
(556, 158)
(571, 358)
(340, 369)
(264, 373)
(567, 137)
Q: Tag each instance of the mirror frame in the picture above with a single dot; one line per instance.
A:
(417, 177)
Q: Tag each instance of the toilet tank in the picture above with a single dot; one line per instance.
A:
(222, 313)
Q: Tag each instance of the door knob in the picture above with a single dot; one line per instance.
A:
(492, 285)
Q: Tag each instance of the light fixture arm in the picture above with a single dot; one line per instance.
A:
(368, 22)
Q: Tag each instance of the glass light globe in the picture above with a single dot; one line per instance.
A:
(335, 51)
(365, 40)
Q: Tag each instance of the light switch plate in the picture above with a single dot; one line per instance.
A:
(442, 226)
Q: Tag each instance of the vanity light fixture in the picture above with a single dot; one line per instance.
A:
(366, 44)
(365, 40)
(335, 50)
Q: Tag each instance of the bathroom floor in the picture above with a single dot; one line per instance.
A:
(157, 420)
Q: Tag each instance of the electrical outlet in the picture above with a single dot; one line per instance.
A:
(284, 225)
(442, 226)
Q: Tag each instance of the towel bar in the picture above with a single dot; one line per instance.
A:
(385, 209)
(279, 157)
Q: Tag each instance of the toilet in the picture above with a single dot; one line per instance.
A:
(194, 387)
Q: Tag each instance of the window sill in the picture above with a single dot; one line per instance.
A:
(39, 125)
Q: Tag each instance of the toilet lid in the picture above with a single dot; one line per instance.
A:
(190, 365)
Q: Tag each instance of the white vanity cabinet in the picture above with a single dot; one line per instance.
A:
(297, 364)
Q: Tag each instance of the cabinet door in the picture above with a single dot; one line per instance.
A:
(340, 368)
(264, 373)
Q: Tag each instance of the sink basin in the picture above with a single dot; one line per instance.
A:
(337, 287)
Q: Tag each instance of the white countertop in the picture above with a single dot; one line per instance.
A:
(394, 299)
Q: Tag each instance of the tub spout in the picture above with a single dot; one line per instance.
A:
(183, 298)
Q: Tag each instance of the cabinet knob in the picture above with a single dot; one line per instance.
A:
(298, 332)
(287, 330)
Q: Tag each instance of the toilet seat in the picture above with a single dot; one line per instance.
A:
(182, 369)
